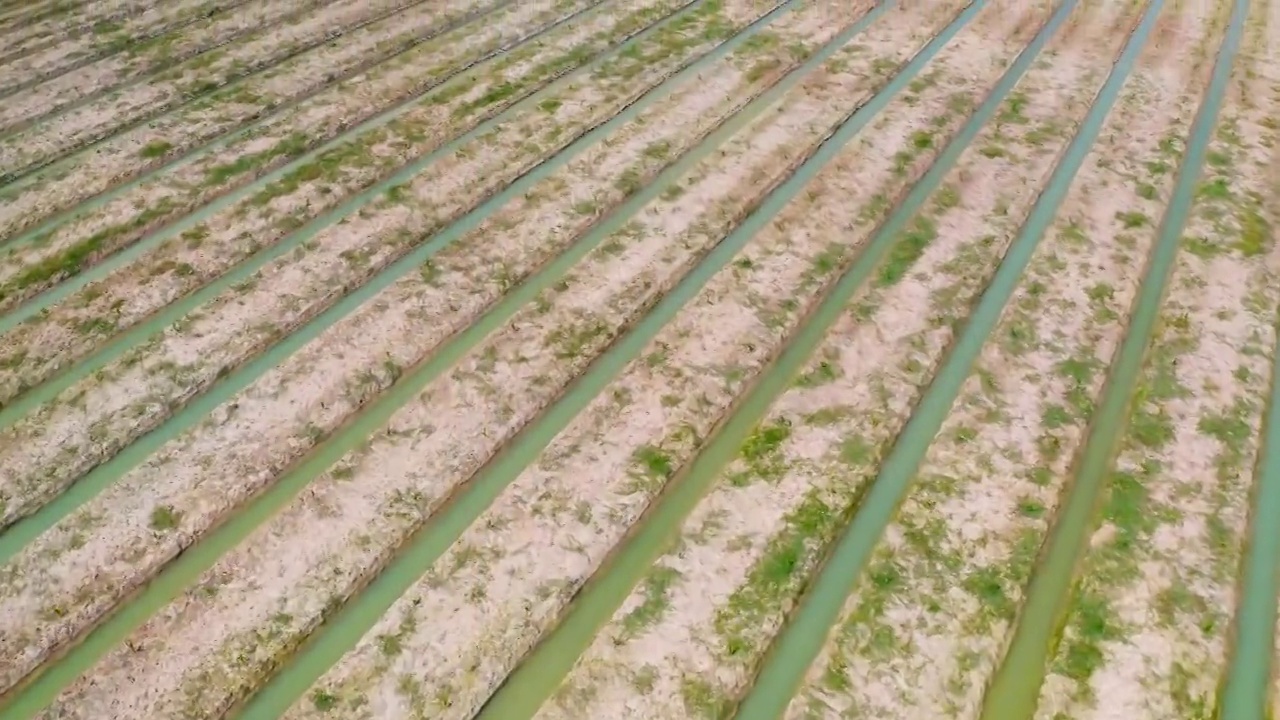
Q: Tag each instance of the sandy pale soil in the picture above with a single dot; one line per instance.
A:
(148, 208)
(303, 388)
(946, 582)
(743, 553)
(277, 204)
(218, 337)
(298, 89)
(478, 300)
(133, 19)
(82, 124)
(356, 247)
(599, 473)
(1154, 605)
(127, 58)
(540, 348)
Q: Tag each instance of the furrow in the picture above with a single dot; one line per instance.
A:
(1147, 632)
(116, 52)
(752, 359)
(1117, 511)
(132, 182)
(1248, 688)
(295, 381)
(470, 604)
(780, 502)
(88, 209)
(947, 579)
(15, 13)
(284, 413)
(802, 638)
(16, 9)
(333, 268)
(284, 207)
(541, 671)
(200, 679)
(40, 126)
(622, 674)
(743, 557)
(21, 32)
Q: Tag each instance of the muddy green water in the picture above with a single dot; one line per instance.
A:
(139, 44)
(1249, 680)
(161, 319)
(1015, 689)
(66, 164)
(435, 537)
(542, 672)
(13, 538)
(187, 567)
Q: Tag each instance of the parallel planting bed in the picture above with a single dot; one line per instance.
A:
(639, 359)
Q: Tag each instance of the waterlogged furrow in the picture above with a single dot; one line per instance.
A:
(1147, 634)
(103, 413)
(256, 215)
(132, 17)
(450, 639)
(217, 306)
(30, 262)
(18, 14)
(253, 436)
(745, 552)
(1271, 214)
(15, 15)
(14, 11)
(127, 56)
(233, 627)
(298, 93)
(82, 124)
(947, 581)
(263, 214)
